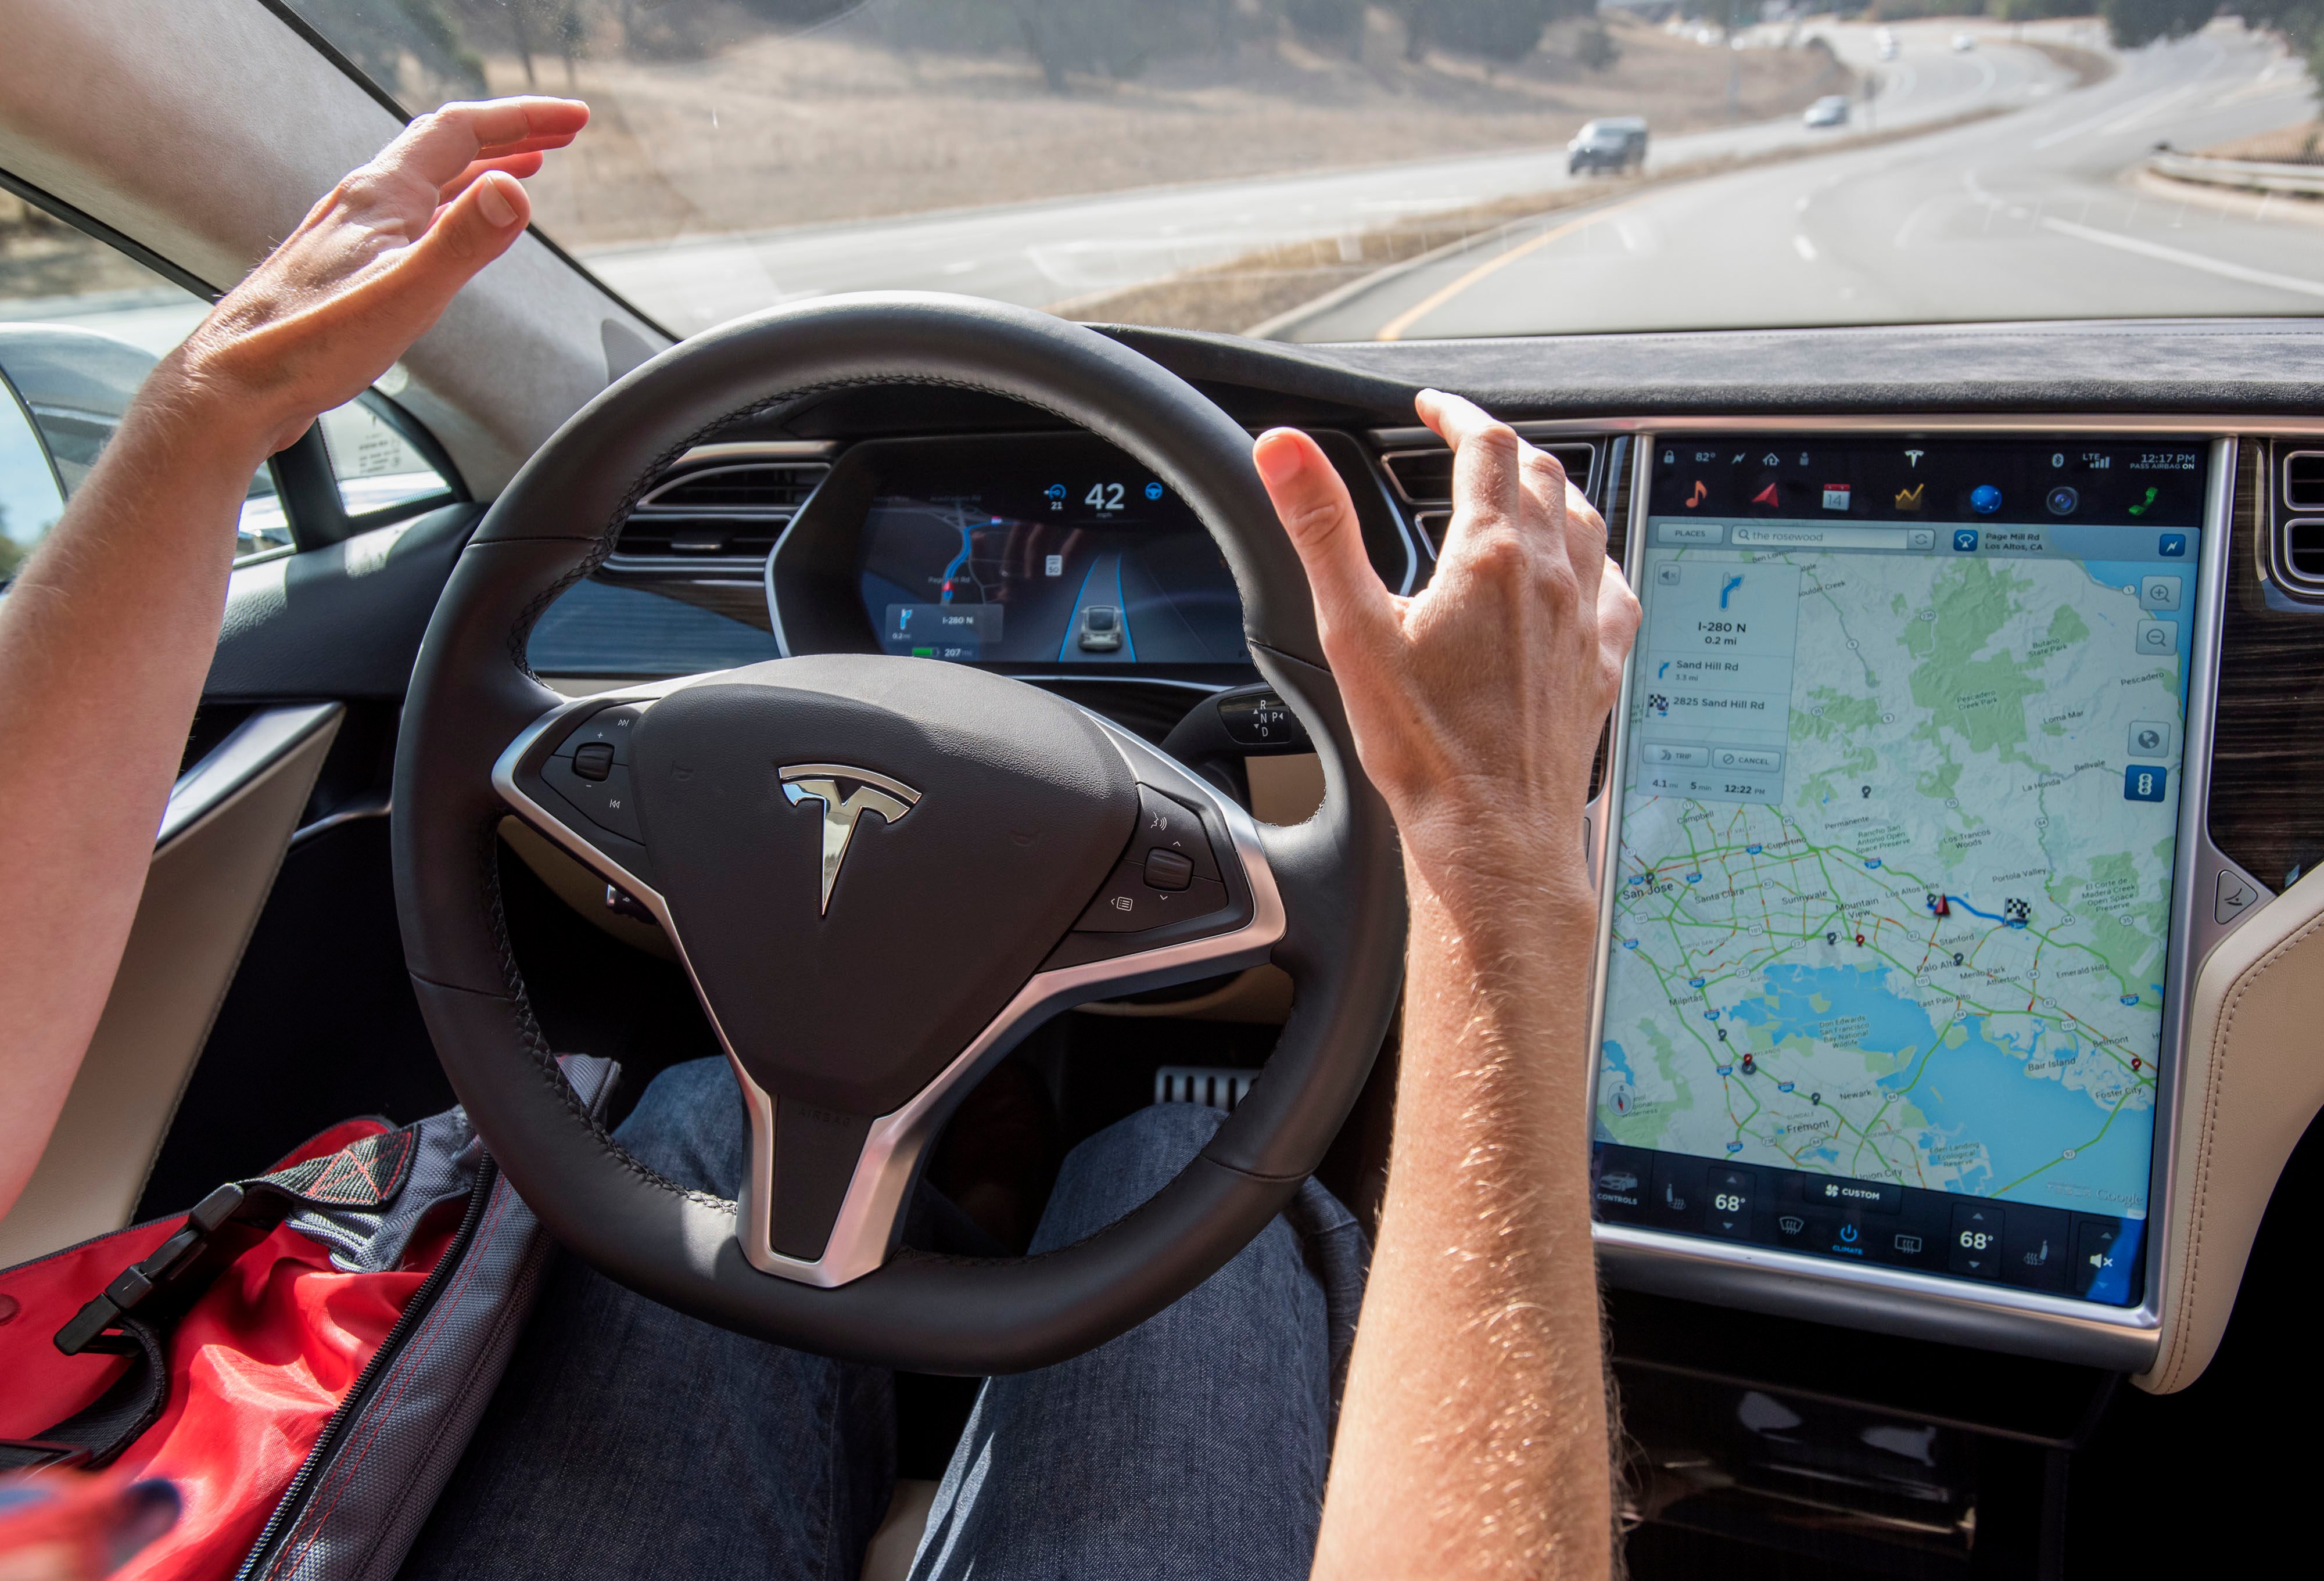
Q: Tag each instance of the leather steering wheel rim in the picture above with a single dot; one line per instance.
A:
(472, 694)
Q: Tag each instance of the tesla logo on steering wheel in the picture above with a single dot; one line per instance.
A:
(873, 793)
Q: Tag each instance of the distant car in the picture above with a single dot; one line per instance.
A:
(1831, 110)
(1101, 629)
(1884, 44)
(1611, 143)
(1963, 44)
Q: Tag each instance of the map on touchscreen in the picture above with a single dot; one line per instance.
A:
(1895, 861)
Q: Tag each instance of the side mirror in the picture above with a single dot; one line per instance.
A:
(31, 497)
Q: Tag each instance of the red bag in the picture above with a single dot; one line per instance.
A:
(303, 1357)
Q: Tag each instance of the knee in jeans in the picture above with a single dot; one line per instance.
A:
(690, 1125)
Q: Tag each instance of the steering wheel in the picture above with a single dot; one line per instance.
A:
(881, 872)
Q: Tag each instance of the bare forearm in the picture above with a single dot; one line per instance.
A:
(105, 639)
(1473, 1437)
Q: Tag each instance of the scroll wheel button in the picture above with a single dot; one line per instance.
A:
(1166, 870)
(593, 760)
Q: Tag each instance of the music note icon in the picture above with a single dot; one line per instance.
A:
(1696, 498)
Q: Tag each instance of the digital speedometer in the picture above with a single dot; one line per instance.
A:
(1043, 551)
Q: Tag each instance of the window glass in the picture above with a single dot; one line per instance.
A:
(377, 468)
(81, 324)
(30, 499)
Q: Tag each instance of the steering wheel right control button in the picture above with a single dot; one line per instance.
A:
(1169, 875)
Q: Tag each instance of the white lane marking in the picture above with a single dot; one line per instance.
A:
(2108, 114)
(962, 267)
(1804, 248)
(2209, 265)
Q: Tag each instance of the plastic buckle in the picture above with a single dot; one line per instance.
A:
(160, 1270)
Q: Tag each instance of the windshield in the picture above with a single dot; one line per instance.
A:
(1333, 170)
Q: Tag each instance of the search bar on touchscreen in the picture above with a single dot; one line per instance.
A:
(1763, 536)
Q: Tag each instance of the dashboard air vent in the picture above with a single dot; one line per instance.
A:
(2304, 480)
(1424, 481)
(2303, 553)
(716, 516)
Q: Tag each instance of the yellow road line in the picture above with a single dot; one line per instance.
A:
(1395, 328)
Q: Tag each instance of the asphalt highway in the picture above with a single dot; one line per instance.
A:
(1048, 254)
(2036, 213)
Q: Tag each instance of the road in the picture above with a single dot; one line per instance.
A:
(1042, 254)
(2033, 215)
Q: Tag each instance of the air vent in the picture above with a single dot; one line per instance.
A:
(2303, 553)
(2304, 480)
(722, 516)
(1424, 478)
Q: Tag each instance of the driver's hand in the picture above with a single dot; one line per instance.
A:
(372, 266)
(1476, 702)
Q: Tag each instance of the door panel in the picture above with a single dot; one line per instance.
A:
(231, 820)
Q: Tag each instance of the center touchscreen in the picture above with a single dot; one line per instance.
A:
(1892, 869)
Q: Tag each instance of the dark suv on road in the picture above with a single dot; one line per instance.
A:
(1611, 143)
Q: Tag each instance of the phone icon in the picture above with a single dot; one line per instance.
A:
(2146, 505)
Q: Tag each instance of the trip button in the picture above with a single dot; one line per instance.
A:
(1976, 1241)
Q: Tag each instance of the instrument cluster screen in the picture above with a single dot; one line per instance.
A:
(1892, 876)
(1042, 551)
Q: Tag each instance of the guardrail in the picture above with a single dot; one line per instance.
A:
(2250, 175)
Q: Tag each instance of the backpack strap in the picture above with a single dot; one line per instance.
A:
(136, 1313)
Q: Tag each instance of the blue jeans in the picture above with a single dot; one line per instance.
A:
(629, 1440)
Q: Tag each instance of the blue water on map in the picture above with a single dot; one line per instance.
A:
(1977, 1091)
(1981, 1091)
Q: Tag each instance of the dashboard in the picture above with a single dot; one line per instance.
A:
(1952, 745)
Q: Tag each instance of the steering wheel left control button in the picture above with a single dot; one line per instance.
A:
(607, 801)
(1166, 870)
(1129, 905)
(608, 727)
(594, 761)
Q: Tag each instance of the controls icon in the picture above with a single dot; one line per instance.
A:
(2231, 897)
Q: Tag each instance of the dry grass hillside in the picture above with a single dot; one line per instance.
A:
(774, 131)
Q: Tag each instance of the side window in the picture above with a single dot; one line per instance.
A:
(81, 324)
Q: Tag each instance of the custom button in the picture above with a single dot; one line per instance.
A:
(594, 761)
(608, 803)
(2231, 897)
(2158, 636)
(2160, 593)
(1975, 1248)
(1166, 870)
(1872, 1194)
(1729, 1211)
